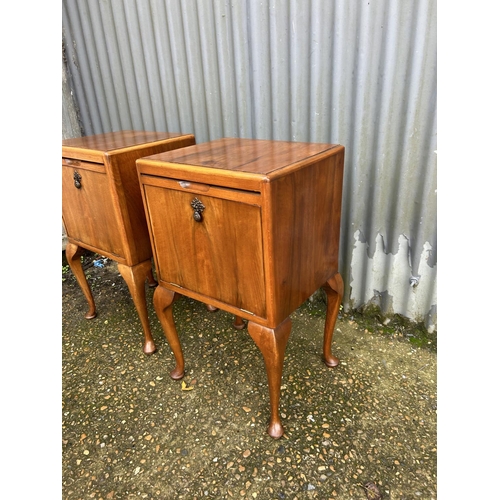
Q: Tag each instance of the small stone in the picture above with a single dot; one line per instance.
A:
(372, 492)
(246, 453)
(247, 409)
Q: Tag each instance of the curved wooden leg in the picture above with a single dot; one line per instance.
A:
(135, 277)
(163, 300)
(152, 283)
(272, 344)
(238, 323)
(73, 254)
(334, 289)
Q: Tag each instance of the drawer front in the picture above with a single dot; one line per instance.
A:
(213, 248)
(88, 211)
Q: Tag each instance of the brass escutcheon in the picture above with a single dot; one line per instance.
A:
(78, 180)
(198, 208)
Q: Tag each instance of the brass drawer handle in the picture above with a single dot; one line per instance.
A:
(77, 178)
(198, 208)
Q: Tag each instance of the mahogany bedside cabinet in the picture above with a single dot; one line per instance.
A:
(102, 208)
(251, 227)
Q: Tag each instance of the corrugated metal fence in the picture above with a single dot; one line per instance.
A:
(358, 73)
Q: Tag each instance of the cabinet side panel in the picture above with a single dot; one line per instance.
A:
(305, 211)
(123, 170)
(219, 257)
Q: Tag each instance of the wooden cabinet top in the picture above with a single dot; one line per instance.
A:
(230, 158)
(115, 142)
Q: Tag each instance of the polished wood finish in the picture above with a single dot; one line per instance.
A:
(103, 211)
(272, 344)
(251, 227)
(334, 289)
(209, 243)
(162, 301)
(73, 254)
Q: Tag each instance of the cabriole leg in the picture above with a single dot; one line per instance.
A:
(73, 254)
(163, 300)
(135, 277)
(152, 283)
(238, 323)
(272, 344)
(334, 289)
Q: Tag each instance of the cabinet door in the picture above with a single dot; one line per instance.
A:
(220, 256)
(88, 211)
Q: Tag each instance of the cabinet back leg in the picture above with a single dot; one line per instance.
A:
(334, 289)
(152, 283)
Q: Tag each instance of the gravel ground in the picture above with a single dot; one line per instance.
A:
(365, 429)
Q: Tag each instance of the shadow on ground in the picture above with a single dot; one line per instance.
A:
(131, 432)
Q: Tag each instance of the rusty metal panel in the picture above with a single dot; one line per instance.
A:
(362, 74)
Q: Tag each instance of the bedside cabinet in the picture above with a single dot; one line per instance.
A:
(251, 227)
(102, 208)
